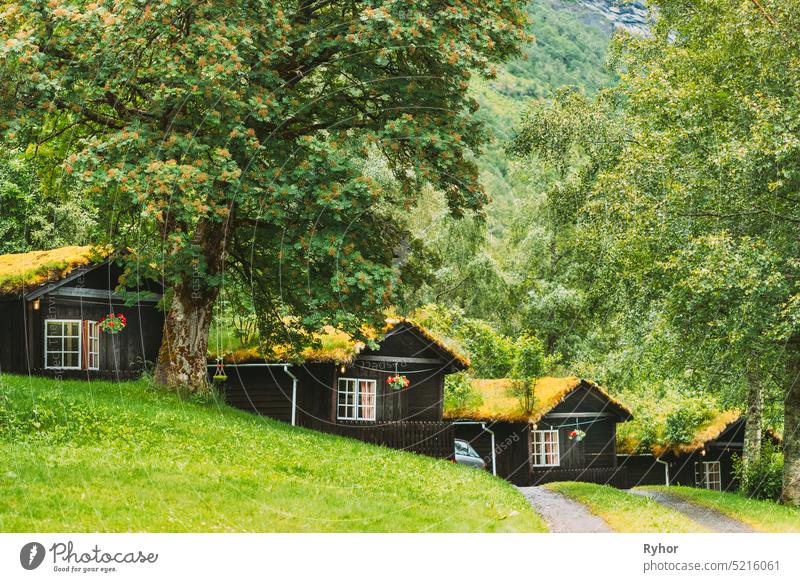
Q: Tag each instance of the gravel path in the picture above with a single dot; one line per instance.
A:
(705, 516)
(563, 515)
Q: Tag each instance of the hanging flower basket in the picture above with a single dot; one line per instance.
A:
(112, 323)
(219, 373)
(577, 435)
(398, 382)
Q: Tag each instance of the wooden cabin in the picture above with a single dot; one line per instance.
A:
(50, 306)
(706, 461)
(569, 434)
(342, 387)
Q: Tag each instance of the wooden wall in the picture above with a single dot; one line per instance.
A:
(682, 468)
(22, 333)
(13, 355)
(512, 447)
(642, 470)
(263, 390)
(597, 449)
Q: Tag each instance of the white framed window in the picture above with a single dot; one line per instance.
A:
(92, 345)
(545, 448)
(712, 475)
(62, 344)
(356, 399)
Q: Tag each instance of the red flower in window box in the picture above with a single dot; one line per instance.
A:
(398, 382)
(112, 323)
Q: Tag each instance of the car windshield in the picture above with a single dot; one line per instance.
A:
(462, 448)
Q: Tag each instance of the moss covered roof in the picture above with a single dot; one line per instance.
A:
(333, 345)
(631, 443)
(23, 272)
(497, 402)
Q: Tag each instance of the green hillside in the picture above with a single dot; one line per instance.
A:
(99, 456)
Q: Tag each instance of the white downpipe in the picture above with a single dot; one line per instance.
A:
(491, 434)
(666, 471)
(494, 451)
(294, 393)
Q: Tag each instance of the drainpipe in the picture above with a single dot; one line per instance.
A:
(294, 393)
(494, 452)
(491, 434)
(666, 470)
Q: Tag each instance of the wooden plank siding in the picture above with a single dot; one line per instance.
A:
(121, 356)
(434, 439)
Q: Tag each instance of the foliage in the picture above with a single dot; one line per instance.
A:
(252, 137)
(681, 425)
(492, 353)
(528, 365)
(194, 457)
(33, 217)
(459, 395)
(763, 477)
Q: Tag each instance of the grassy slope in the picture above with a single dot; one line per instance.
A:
(761, 515)
(625, 512)
(97, 456)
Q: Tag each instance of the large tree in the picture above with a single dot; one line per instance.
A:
(254, 121)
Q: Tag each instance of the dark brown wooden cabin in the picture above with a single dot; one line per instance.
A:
(50, 303)
(706, 462)
(535, 447)
(344, 390)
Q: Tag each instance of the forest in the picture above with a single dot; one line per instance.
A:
(554, 195)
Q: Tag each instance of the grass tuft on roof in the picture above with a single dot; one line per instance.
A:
(23, 272)
(330, 345)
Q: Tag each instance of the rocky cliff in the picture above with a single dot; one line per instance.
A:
(630, 15)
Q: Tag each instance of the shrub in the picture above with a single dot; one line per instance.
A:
(682, 424)
(459, 395)
(763, 478)
(492, 353)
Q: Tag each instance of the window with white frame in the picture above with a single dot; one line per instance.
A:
(545, 448)
(92, 345)
(356, 399)
(712, 475)
(62, 343)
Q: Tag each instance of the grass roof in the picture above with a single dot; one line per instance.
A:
(331, 345)
(23, 272)
(497, 401)
(631, 442)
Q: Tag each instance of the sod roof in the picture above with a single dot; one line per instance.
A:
(24, 272)
(703, 434)
(333, 345)
(497, 402)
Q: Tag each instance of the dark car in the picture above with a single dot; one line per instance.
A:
(466, 455)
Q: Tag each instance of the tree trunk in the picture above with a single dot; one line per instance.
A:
(183, 355)
(791, 435)
(753, 420)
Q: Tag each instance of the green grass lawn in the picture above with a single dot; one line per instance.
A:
(761, 515)
(625, 512)
(99, 456)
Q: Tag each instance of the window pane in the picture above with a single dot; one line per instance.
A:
(367, 399)
(71, 359)
(53, 328)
